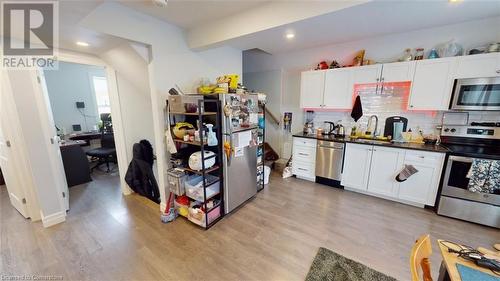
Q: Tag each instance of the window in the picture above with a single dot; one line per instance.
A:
(101, 92)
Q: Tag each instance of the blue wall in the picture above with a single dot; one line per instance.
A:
(71, 83)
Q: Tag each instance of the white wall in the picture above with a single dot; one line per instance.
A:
(172, 62)
(269, 82)
(382, 49)
(134, 92)
(72, 82)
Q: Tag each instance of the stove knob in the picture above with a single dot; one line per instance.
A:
(453, 130)
(446, 130)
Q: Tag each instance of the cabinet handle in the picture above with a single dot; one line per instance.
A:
(302, 169)
(378, 79)
(303, 154)
(498, 71)
(422, 157)
(411, 105)
(374, 150)
(382, 79)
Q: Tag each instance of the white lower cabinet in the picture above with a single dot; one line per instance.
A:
(304, 158)
(357, 160)
(385, 165)
(373, 170)
(422, 187)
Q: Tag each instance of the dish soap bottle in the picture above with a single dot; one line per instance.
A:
(211, 138)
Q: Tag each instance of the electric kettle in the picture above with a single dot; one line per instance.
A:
(328, 128)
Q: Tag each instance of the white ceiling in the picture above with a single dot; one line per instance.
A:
(70, 14)
(368, 20)
(190, 13)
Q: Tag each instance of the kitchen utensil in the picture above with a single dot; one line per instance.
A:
(389, 125)
(340, 131)
(398, 132)
(328, 128)
(195, 160)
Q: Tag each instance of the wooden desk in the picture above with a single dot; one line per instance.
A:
(85, 136)
(449, 269)
(76, 163)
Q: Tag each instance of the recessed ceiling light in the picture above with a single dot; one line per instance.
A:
(290, 35)
(454, 1)
(83, 44)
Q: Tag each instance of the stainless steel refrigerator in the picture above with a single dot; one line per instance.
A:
(240, 121)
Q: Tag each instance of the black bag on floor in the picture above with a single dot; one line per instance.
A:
(140, 175)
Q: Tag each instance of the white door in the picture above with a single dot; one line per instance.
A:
(398, 71)
(357, 161)
(386, 164)
(366, 74)
(338, 89)
(50, 130)
(478, 66)
(14, 186)
(432, 84)
(312, 86)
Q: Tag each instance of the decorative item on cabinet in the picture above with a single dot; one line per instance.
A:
(433, 54)
(407, 55)
(358, 59)
(450, 49)
(335, 64)
(322, 65)
(419, 54)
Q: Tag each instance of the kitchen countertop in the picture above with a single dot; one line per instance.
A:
(347, 139)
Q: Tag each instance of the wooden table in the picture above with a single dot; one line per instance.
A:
(449, 269)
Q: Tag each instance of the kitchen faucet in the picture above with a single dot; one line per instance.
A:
(372, 133)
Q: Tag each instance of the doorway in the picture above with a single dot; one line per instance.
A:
(81, 112)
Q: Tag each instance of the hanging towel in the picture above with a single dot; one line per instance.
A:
(407, 172)
(479, 175)
(357, 109)
(493, 181)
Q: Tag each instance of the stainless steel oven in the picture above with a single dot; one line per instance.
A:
(458, 202)
(477, 94)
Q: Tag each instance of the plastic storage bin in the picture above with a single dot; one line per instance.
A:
(194, 187)
(199, 217)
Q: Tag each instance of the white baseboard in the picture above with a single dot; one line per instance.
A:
(53, 219)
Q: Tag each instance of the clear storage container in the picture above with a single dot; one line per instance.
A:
(194, 187)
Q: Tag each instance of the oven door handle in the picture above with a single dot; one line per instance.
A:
(461, 159)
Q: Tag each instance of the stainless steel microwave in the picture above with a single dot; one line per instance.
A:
(477, 94)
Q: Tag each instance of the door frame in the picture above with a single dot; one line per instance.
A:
(114, 99)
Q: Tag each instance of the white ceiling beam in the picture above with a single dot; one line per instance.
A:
(266, 16)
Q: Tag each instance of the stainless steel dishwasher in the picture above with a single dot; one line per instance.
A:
(329, 160)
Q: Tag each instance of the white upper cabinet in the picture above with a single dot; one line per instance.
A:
(312, 86)
(338, 88)
(357, 160)
(398, 71)
(366, 74)
(477, 66)
(432, 84)
(386, 164)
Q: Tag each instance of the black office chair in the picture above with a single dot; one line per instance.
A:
(105, 153)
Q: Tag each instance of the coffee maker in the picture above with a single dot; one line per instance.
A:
(309, 125)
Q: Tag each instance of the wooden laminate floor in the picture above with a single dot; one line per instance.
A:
(273, 237)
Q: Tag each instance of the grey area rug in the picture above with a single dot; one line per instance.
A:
(328, 265)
